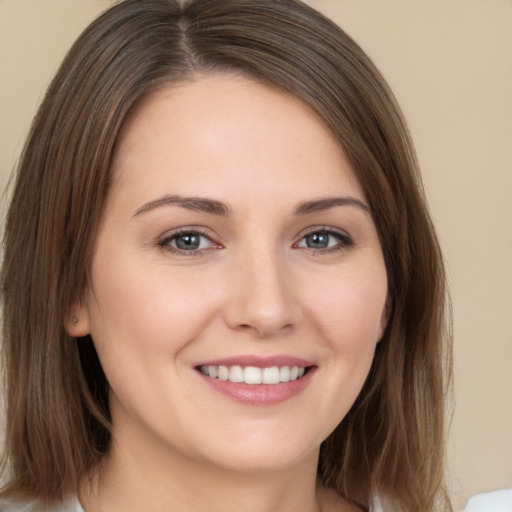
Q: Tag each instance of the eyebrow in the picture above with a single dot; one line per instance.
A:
(197, 204)
(213, 207)
(320, 205)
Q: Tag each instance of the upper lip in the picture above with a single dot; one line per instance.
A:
(259, 361)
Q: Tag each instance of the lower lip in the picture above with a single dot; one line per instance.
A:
(260, 394)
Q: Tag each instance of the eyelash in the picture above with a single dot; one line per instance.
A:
(165, 243)
(344, 241)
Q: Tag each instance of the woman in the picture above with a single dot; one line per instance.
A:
(221, 284)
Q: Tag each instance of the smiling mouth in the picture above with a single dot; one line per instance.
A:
(253, 374)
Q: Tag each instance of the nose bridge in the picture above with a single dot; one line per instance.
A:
(263, 300)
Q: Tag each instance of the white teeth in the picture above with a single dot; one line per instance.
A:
(284, 374)
(236, 374)
(223, 372)
(253, 374)
(270, 375)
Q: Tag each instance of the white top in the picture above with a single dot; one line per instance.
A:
(72, 505)
(497, 501)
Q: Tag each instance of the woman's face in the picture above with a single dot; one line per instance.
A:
(236, 244)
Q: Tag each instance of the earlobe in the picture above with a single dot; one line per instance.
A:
(77, 321)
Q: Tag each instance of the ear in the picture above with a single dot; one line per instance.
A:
(386, 311)
(76, 322)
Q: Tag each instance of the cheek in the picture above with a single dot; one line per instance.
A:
(140, 322)
(348, 318)
(141, 312)
(349, 305)
(349, 314)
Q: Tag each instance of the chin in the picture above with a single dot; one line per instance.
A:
(263, 452)
(264, 462)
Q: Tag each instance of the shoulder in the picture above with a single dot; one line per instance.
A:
(72, 505)
(496, 501)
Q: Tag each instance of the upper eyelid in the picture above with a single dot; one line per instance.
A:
(170, 235)
(327, 229)
(187, 229)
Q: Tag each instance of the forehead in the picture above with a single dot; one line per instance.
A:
(226, 129)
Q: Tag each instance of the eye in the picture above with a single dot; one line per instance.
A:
(187, 241)
(325, 239)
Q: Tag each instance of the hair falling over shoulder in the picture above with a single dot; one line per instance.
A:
(391, 443)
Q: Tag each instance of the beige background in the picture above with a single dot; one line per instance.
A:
(450, 64)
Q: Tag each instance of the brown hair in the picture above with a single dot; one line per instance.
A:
(391, 442)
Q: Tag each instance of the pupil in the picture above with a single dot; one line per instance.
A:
(317, 240)
(188, 242)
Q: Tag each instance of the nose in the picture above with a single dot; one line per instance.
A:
(262, 299)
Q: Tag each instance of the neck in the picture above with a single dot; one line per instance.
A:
(137, 479)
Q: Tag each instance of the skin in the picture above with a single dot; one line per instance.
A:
(254, 287)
